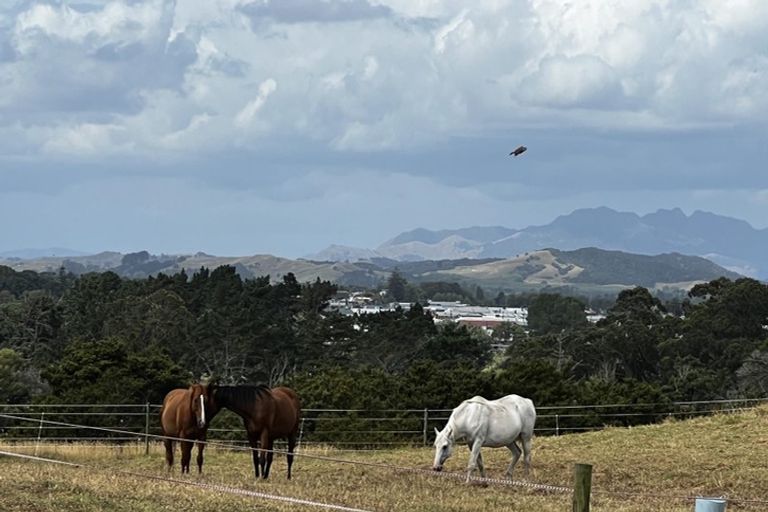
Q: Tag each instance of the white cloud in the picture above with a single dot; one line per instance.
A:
(246, 115)
(417, 72)
(579, 81)
(86, 139)
(117, 21)
(181, 138)
(458, 30)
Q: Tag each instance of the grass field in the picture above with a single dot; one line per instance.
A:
(635, 470)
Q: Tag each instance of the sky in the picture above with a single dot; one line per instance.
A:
(240, 127)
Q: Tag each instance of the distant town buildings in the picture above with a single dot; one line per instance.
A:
(484, 317)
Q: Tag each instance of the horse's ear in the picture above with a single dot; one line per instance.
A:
(437, 432)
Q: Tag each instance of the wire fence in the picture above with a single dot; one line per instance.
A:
(36, 418)
(342, 428)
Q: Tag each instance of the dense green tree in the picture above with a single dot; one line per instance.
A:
(536, 379)
(90, 303)
(397, 286)
(509, 333)
(107, 371)
(555, 313)
(431, 384)
(19, 382)
(753, 374)
(392, 339)
(729, 309)
(115, 339)
(479, 295)
(32, 325)
(437, 290)
(724, 325)
(636, 304)
(454, 343)
(16, 284)
(365, 387)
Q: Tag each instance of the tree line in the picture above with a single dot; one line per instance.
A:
(100, 338)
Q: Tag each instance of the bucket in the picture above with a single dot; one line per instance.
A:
(710, 505)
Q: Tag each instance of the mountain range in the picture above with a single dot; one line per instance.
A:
(590, 251)
(732, 243)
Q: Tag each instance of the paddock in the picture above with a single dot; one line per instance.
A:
(660, 467)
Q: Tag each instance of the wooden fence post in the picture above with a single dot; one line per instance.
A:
(582, 487)
(424, 432)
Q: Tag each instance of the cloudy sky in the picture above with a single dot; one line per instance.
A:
(281, 126)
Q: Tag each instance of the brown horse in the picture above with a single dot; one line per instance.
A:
(267, 414)
(186, 414)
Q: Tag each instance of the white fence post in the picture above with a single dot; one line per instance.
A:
(39, 432)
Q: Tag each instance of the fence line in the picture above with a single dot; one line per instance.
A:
(454, 475)
(351, 427)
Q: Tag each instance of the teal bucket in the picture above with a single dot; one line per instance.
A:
(710, 505)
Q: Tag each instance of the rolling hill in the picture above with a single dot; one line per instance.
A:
(588, 270)
(731, 243)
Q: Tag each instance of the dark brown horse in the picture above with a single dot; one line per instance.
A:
(267, 414)
(186, 414)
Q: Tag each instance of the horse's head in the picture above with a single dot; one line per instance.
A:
(443, 447)
(202, 405)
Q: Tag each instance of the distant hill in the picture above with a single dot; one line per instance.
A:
(587, 271)
(729, 242)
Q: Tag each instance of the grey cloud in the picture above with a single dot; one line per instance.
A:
(110, 79)
(309, 11)
(7, 51)
(229, 66)
(118, 52)
(86, 6)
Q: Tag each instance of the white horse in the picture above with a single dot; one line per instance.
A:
(492, 423)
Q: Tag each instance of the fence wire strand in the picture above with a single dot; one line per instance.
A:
(401, 469)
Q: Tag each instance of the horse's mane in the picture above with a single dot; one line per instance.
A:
(243, 394)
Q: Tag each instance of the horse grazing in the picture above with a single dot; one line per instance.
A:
(492, 423)
(267, 414)
(185, 415)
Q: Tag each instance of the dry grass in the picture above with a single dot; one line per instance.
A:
(639, 469)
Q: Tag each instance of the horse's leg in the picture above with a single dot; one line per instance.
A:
(186, 455)
(253, 441)
(270, 455)
(527, 451)
(168, 453)
(291, 446)
(515, 456)
(480, 464)
(200, 448)
(473, 456)
(266, 455)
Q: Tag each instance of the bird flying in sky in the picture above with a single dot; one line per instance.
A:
(519, 151)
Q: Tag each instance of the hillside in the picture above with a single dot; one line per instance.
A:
(731, 243)
(588, 271)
